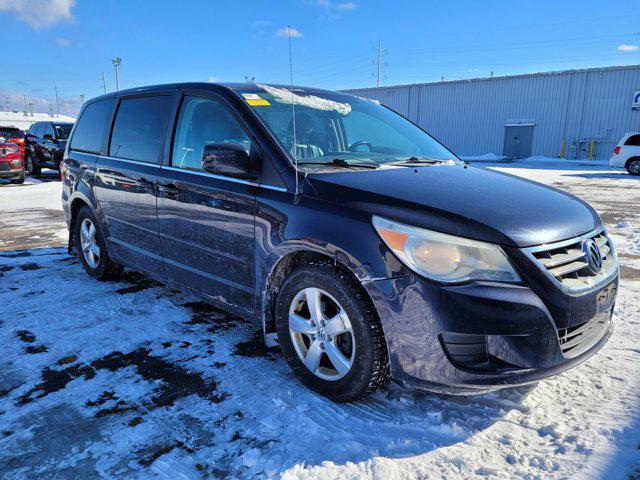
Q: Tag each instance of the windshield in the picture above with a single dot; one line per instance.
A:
(63, 131)
(332, 125)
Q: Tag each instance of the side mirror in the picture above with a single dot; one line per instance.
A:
(227, 159)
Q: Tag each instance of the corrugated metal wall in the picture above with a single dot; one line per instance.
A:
(470, 115)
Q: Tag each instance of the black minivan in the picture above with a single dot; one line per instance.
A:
(361, 245)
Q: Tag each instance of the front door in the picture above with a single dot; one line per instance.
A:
(207, 221)
(125, 181)
(517, 141)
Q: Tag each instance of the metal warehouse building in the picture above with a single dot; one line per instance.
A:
(573, 113)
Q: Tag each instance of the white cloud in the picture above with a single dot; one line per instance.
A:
(284, 32)
(64, 42)
(347, 6)
(324, 4)
(40, 13)
(213, 79)
(628, 48)
(261, 23)
(69, 104)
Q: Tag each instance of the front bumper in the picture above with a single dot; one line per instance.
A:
(521, 336)
(8, 172)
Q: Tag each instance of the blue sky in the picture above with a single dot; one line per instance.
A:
(69, 43)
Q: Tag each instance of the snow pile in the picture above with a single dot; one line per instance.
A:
(286, 96)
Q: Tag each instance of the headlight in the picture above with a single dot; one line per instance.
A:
(445, 258)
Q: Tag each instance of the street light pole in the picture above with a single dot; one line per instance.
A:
(116, 63)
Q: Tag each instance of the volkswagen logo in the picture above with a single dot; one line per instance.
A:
(592, 256)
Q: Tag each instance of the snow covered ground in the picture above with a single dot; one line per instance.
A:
(130, 379)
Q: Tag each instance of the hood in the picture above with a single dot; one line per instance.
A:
(462, 200)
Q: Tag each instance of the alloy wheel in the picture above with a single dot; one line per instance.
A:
(89, 244)
(321, 334)
(29, 165)
(634, 167)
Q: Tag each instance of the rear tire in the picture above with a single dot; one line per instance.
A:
(633, 166)
(32, 166)
(361, 355)
(92, 248)
(19, 180)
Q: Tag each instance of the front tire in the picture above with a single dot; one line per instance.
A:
(330, 334)
(633, 166)
(32, 166)
(92, 248)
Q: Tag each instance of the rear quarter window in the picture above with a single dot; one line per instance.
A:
(87, 137)
(633, 141)
(139, 128)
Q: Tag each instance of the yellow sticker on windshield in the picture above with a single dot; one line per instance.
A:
(258, 103)
(255, 100)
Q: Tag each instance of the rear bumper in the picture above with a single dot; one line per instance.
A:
(617, 161)
(436, 335)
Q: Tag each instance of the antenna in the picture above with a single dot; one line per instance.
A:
(293, 112)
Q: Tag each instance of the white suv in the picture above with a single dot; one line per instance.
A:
(627, 154)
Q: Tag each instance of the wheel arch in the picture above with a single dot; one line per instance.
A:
(629, 160)
(285, 264)
(80, 198)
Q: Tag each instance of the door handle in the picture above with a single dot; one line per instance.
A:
(169, 189)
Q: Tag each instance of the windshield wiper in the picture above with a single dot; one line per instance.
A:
(419, 160)
(341, 162)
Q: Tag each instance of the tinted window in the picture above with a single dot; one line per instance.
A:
(138, 132)
(633, 141)
(11, 133)
(36, 129)
(87, 136)
(62, 131)
(203, 121)
(47, 130)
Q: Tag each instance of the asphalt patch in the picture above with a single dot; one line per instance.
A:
(176, 381)
(30, 266)
(26, 336)
(255, 348)
(138, 283)
(55, 380)
(15, 255)
(163, 450)
(37, 349)
(206, 314)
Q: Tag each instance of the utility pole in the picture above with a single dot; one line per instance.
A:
(57, 101)
(116, 63)
(81, 98)
(379, 53)
(378, 62)
(104, 84)
(24, 97)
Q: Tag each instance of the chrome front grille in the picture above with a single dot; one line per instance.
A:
(570, 263)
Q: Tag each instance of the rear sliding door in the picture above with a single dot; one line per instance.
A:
(125, 181)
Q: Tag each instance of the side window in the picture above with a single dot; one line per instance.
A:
(36, 129)
(633, 141)
(203, 121)
(138, 131)
(87, 137)
(48, 130)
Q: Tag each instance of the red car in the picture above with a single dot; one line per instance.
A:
(14, 135)
(11, 161)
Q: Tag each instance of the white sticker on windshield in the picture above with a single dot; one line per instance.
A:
(283, 95)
